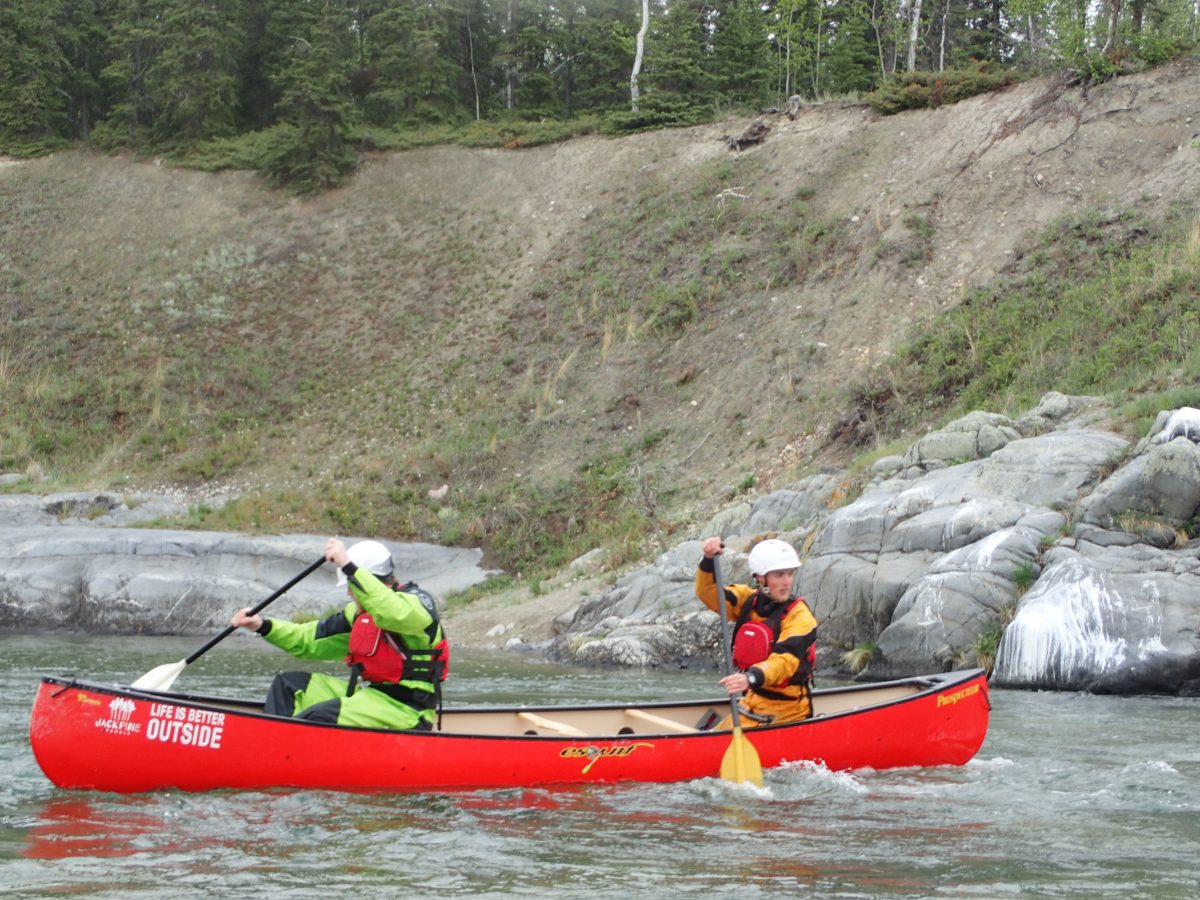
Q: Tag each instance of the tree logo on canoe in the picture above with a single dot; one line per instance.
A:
(592, 753)
(118, 720)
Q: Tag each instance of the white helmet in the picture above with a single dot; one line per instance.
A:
(370, 555)
(772, 555)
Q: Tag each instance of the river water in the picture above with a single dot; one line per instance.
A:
(1070, 796)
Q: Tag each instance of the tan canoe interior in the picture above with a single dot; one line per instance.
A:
(660, 720)
(684, 718)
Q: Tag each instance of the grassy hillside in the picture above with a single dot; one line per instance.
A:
(600, 342)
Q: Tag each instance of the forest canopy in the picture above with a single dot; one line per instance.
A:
(294, 88)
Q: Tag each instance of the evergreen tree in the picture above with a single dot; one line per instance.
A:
(258, 94)
(678, 56)
(308, 149)
(849, 62)
(741, 54)
(34, 74)
(405, 56)
(531, 46)
(135, 40)
(602, 54)
(193, 79)
(473, 39)
(83, 38)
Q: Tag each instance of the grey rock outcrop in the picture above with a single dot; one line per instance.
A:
(985, 521)
(65, 564)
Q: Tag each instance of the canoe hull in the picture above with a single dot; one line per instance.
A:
(112, 738)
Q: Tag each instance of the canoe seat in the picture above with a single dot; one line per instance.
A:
(549, 724)
(665, 724)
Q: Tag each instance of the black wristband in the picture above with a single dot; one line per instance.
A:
(264, 628)
(755, 677)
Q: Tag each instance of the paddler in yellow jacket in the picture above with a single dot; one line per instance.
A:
(389, 635)
(774, 634)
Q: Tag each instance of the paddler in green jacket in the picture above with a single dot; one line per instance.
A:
(388, 634)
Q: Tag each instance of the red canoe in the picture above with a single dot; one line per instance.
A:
(110, 738)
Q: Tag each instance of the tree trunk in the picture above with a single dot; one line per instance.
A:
(637, 59)
(787, 57)
(878, 31)
(508, 66)
(942, 48)
(819, 40)
(913, 29)
(1110, 42)
(474, 76)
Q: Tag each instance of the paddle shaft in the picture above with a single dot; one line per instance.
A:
(726, 644)
(275, 596)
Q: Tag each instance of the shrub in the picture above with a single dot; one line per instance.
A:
(856, 660)
(927, 90)
(987, 644)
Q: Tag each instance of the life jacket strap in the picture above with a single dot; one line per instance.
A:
(418, 700)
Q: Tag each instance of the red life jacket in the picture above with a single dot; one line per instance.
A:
(753, 641)
(383, 658)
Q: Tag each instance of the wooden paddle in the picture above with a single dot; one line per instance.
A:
(160, 678)
(740, 762)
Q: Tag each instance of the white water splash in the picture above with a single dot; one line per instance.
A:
(820, 779)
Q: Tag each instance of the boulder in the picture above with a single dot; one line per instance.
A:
(117, 580)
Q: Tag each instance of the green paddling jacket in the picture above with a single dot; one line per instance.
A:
(410, 617)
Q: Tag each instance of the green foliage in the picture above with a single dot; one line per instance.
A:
(168, 76)
(193, 77)
(36, 40)
(927, 90)
(1023, 577)
(305, 159)
(988, 644)
(654, 113)
(513, 133)
(857, 659)
(1142, 411)
(308, 151)
(1100, 302)
(493, 584)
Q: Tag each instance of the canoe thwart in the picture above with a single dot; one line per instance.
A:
(549, 724)
(667, 724)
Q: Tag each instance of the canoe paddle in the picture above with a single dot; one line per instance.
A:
(160, 678)
(740, 762)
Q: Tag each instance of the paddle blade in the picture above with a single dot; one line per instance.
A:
(741, 762)
(160, 678)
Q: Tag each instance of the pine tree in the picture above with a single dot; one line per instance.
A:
(135, 39)
(192, 81)
(308, 149)
(405, 55)
(35, 105)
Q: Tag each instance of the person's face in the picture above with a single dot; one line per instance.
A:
(778, 584)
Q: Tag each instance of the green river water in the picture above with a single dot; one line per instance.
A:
(1071, 796)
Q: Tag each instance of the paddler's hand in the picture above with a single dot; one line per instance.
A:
(244, 619)
(713, 546)
(736, 684)
(335, 552)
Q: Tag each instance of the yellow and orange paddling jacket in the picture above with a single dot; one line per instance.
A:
(781, 676)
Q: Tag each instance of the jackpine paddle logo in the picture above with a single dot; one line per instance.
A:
(951, 699)
(592, 753)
